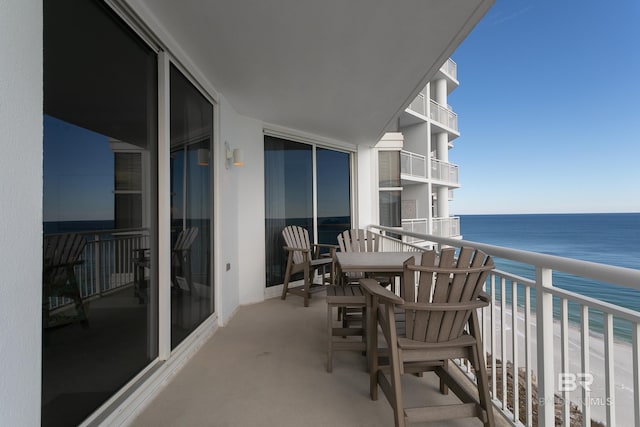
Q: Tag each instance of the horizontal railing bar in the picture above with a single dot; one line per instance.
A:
(616, 310)
(623, 276)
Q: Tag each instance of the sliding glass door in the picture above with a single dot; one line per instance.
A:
(295, 195)
(100, 289)
(191, 196)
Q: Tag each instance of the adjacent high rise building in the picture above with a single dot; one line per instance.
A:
(416, 179)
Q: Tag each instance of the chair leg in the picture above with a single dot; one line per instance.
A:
(287, 277)
(307, 285)
(481, 372)
(443, 386)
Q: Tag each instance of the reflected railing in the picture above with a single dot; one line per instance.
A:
(559, 351)
(107, 263)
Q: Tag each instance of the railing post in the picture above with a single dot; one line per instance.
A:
(544, 335)
(98, 267)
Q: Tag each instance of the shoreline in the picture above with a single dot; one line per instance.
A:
(622, 360)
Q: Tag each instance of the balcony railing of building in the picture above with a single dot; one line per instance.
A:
(107, 263)
(558, 351)
(444, 116)
(445, 172)
(450, 68)
(442, 227)
(413, 165)
(418, 105)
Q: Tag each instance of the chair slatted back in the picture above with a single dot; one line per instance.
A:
(297, 237)
(448, 291)
(60, 251)
(358, 240)
(185, 239)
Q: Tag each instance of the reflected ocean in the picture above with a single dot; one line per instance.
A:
(608, 238)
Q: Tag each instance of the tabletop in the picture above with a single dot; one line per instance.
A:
(374, 262)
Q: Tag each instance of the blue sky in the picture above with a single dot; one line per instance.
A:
(549, 109)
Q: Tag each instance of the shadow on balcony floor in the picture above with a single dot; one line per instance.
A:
(267, 368)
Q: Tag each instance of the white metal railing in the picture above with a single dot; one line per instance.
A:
(106, 263)
(446, 226)
(443, 227)
(413, 164)
(443, 115)
(450, 68)
(443, 171)
(419, 105)
(557, 351)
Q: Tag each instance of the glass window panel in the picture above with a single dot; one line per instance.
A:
(390, 204)
(288, 168)
(100, 317)
(389, 168)
(334, 194)
(128, 172)
(191, 136)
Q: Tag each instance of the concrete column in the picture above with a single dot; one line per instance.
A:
(442, 146)
(443, 201)
(440, 92)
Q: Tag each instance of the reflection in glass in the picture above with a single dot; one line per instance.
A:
(288, 181)
(99, 259)
(191, 136)
(334, 194)
(390, 208)
(289, 197)
(389, 168)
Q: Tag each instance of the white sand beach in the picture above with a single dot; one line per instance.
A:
(621, 401)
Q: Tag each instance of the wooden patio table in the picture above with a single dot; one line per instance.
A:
(373, 262)
(370, 263)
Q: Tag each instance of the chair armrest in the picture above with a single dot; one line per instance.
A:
(483, 296)
(471, 305)
(291, 249)
(326, 245)
(372, 287)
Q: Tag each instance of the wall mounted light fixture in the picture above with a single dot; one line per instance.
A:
(234, 157)
(203, 157)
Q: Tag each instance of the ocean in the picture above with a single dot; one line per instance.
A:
(608, 238)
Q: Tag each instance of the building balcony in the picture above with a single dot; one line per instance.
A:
(442, 227)
(419, 105)
(450, 69)
(444, 173)
(272, 371)
(413, 169)
(443, 116)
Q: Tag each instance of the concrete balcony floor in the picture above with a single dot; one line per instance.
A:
(267, 367)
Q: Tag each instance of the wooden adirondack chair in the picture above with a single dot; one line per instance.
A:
(181, 258)
(61, 253)
(304, 257)
(437, 323)
(359, 240)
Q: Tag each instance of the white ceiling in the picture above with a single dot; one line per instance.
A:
(342, 69)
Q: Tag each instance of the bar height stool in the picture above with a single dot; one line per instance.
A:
(350, 296)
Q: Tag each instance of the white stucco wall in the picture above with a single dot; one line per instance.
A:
(20, 211)
(241, 213)
(367, 182)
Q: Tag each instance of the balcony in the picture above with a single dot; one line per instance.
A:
(442, 227)
(450, 69)
(413, 167)
(418, 105)
(244, 376)
(444, 116)
(445, 173)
